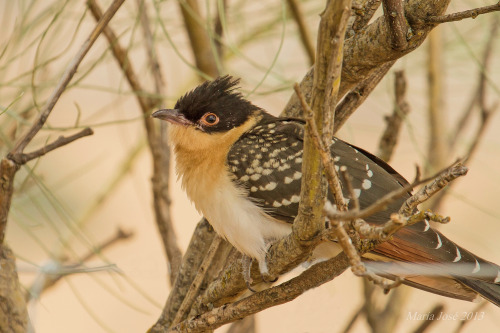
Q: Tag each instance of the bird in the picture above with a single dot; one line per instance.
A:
(242, 168)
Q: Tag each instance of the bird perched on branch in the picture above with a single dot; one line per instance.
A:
(242, 168)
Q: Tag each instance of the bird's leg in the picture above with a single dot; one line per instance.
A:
(246, 266)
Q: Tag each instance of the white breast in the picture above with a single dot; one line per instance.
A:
(201, 163)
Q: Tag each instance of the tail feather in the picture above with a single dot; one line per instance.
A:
(489, 291)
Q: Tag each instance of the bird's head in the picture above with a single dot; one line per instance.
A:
(212, 107)
(209, 113)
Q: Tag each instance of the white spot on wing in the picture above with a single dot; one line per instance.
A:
(369, 173)
(427, 225)
(357, 192)
(288, 180)
(297, 175)
(296, 198)
(255, 176)
(477, 268)
(285, 202)
(440, 243)
(244, 178)
(459, 256)
(276, 204)
(366, 184)
(271, 186)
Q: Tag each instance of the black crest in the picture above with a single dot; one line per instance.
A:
(220, 97)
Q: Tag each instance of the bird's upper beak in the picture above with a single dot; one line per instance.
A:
(172, 116)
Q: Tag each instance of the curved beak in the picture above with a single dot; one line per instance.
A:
(172, 116)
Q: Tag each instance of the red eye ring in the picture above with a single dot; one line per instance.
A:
(209, 119)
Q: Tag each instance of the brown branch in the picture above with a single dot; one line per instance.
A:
(304, 33)
(326, 82)
(160, 154)
(201, 240)
(161, 157)
(398, 27)
(471, 13)
(444, 178)
(61, 141)
(194, 288)
(390, 136)
(369, 50)
(285, 292)
(13, 311)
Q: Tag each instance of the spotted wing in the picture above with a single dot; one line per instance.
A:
(267, 162)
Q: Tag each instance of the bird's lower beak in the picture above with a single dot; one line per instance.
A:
(172, 116)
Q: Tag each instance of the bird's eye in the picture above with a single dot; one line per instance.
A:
(209, 119)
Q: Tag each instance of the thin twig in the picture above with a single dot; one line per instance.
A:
(471, 13)
(66, 78)
(444, 178)
(61, 141)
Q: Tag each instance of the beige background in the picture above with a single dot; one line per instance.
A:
(76, 175)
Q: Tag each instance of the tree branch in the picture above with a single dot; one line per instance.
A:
(61, 141)
(156, 142)
(66, 78)
(471, 13)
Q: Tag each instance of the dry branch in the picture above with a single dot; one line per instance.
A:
(156, 142)
(13, 309)
(471, 13)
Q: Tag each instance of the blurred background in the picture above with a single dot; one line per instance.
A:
(72, 201)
